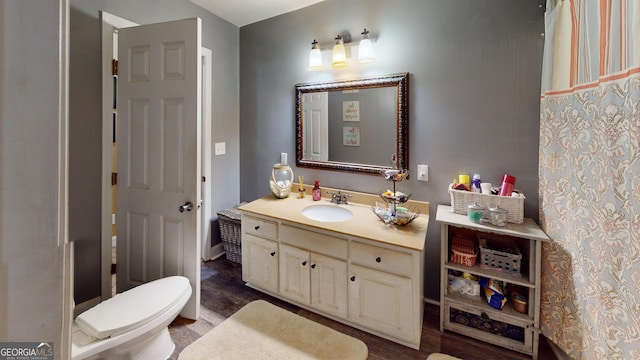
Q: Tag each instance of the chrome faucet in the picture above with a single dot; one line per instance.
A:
(339, 198)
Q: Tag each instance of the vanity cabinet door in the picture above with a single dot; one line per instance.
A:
(260, 262)
(381, 301)
(329, 285)
(294, 274)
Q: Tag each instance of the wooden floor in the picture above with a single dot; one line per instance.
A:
(224, 293)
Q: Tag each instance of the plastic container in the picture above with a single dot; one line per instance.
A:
(475, 183)
(519, 303)
(506, 187)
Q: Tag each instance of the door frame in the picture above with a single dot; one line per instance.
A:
(109, 23)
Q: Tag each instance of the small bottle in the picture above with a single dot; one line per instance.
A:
(475, 183)
(508, 182)
(316, 193)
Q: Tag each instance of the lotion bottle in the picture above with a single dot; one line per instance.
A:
(316, 193)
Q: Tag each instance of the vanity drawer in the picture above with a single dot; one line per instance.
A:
(313, 241)
(259, 227)
(381, 259)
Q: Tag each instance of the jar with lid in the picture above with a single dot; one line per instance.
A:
(281, 180)
(475, 212)
(498, 216)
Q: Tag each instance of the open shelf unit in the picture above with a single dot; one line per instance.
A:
(471, 315)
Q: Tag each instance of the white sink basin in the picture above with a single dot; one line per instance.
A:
(327, 213)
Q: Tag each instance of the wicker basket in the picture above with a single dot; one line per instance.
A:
(506, 261)
(229, 221)
(463, 251)
(460, 200)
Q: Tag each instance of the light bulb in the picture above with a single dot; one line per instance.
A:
(315, 57)
(365, 49)
(339, 54)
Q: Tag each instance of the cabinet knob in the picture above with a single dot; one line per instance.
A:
(304, 263)
(378, 259)
(313, 266)
(257, 227)
(273, 253)
(353, 278)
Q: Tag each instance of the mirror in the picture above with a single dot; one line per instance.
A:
(353, 125)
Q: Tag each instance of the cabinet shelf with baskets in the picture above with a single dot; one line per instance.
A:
(470, 314)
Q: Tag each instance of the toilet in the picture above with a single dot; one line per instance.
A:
(133, 324)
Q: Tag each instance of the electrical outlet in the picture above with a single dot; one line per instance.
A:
(423, 173)
(283, 158)
(219, 148)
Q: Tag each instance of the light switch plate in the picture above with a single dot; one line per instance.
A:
(219, 148)
(283, 158)
(423, 173)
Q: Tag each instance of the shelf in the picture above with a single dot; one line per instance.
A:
(517, 279)
(527, 230)
(473, 315)
(480, 303)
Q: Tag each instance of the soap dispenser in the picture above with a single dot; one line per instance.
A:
(316, 192)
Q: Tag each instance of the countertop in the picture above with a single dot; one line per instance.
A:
(364, 223)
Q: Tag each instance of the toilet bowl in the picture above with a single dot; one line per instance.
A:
(133, 324)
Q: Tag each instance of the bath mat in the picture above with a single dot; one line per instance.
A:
(261, 330)
(438, 356)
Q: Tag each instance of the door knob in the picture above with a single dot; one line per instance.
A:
(187, 206)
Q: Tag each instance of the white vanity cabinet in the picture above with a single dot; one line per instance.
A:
(362, 273)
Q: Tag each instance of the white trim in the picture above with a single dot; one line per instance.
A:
(109, 24)
(63, 179)
(207, 135)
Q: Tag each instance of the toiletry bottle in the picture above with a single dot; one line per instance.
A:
(316, 192)
(475, 183)
(508, 182)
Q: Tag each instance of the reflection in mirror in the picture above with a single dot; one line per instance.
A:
(353, 125)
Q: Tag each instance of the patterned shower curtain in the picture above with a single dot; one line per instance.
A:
(590, 178)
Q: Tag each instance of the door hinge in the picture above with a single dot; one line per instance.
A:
(114, 179)
(114, 67)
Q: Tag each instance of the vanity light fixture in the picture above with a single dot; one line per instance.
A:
(365, 49)
(339, 59)
(339, 52)
(315, 57)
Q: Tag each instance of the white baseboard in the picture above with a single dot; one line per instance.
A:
(213, 253)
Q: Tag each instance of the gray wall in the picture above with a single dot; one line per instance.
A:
(474, 92)
(85, 118)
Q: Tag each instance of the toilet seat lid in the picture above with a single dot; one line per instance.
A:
(133, 307)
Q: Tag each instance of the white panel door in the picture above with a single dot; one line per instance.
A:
(159, 155)
(316, 126)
